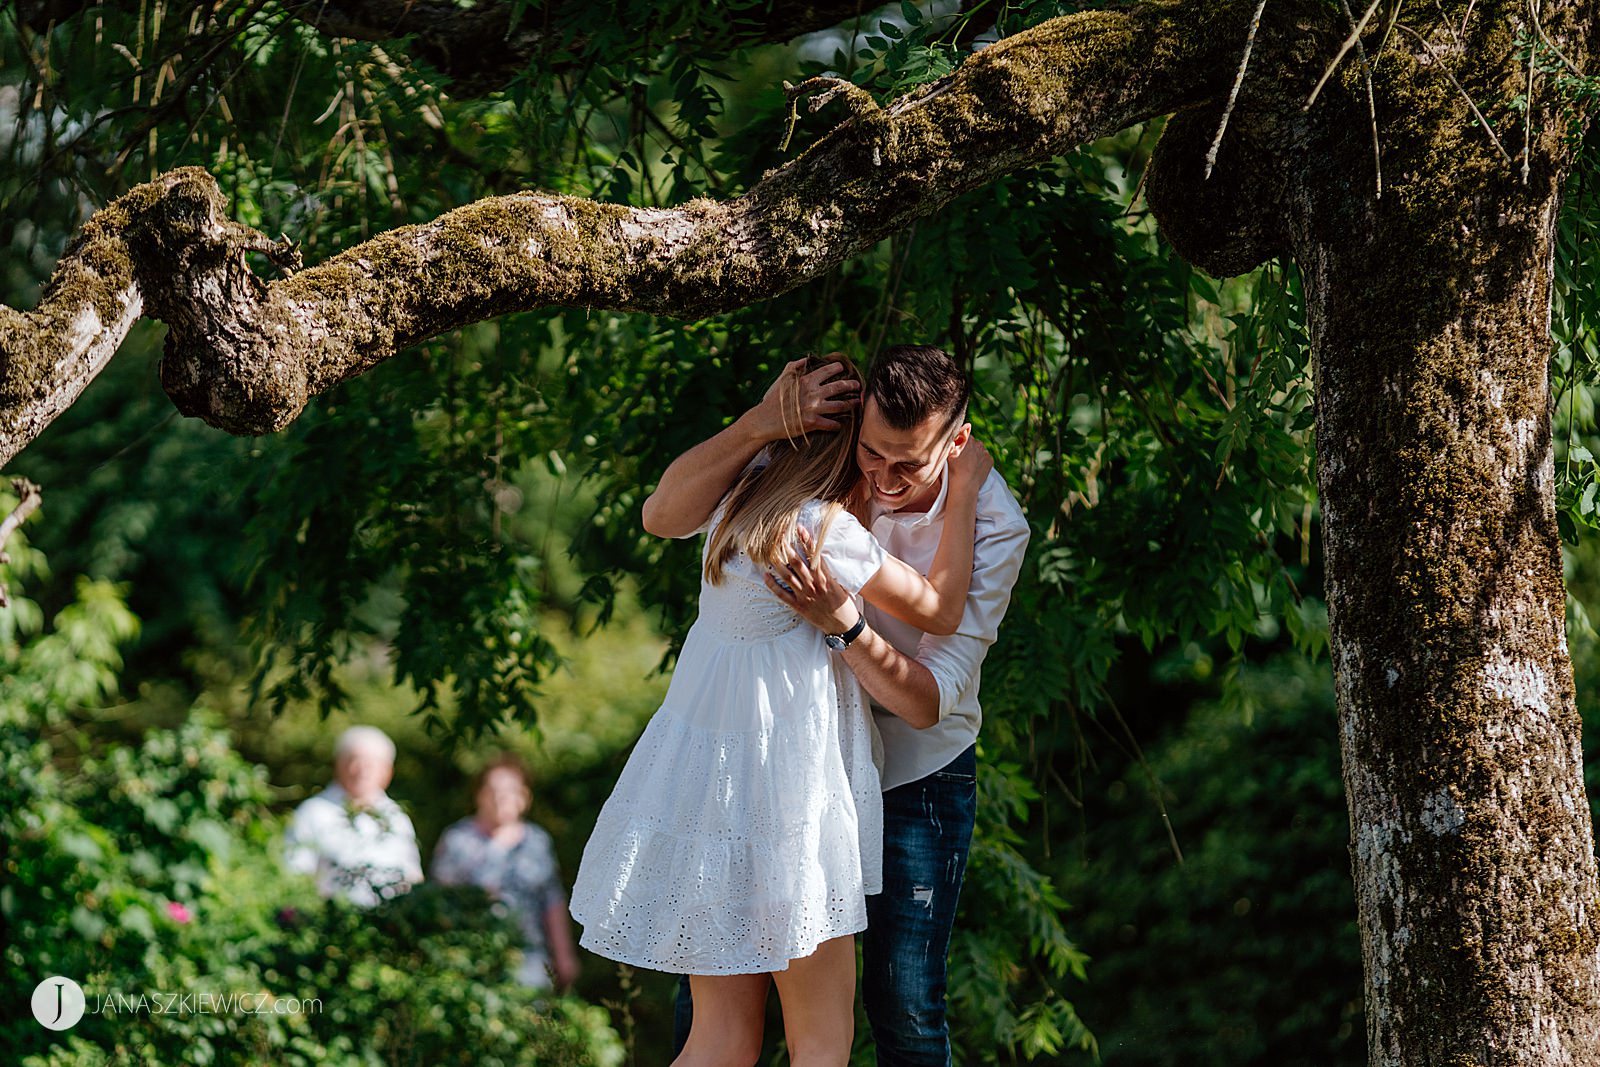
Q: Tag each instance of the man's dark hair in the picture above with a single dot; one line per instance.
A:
(912, 383)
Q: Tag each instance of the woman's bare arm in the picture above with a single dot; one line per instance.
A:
(935, 604)
(694, 482)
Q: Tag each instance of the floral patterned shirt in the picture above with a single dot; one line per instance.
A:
(524, 876)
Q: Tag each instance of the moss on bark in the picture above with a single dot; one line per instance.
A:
(1473, 852)
(249, 362)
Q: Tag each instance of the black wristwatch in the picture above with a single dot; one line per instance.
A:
(840, 642)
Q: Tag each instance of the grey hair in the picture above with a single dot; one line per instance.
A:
(362, 737)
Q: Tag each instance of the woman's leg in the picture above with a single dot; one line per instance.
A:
(729, 1013)
(818, 994)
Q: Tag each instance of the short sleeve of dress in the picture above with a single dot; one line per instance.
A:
(853, 555)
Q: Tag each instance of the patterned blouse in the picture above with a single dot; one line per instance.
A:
(524, 876)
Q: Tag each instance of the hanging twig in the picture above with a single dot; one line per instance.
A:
(1144, 171)
(28, 498)
(1464, 95)
(294, 82)
(1372, 104)
(1238, 80)
(1305, 536)
(1527, 118)
(1135, 752)
(1349, 42)
(1377, 150)
(1388, 32)
(1548, 43)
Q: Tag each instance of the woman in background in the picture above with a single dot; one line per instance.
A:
(513, 860)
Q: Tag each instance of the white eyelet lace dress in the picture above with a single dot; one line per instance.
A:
(746, 828)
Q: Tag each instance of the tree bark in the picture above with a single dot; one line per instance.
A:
(1472, 845)
(1428, 311)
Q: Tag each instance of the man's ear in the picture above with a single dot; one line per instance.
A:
(959, 440)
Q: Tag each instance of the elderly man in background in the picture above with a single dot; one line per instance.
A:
(352, 836)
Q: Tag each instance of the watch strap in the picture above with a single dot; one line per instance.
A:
(840, 642)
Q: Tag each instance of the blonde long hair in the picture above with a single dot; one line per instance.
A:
(761, 510)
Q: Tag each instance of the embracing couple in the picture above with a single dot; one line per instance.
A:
(856, 537)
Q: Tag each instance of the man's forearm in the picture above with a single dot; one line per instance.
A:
(893, 679)
(691, 486)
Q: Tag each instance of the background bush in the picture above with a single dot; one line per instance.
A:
(150, 869)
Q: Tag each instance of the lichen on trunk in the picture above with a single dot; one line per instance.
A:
(1471, 840)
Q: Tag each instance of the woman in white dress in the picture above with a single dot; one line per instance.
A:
(745, 831)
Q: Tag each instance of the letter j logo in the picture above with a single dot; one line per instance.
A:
(58, 1003)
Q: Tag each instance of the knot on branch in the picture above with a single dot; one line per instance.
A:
(182, 232)
(1235, 219)
(219, 362)
(875, 125)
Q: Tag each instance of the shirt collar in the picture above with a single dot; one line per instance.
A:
(912, 519)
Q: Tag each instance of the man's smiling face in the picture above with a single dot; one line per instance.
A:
(902, 467)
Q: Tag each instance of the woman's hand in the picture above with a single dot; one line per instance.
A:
(969, 469)
(811, 591)
(799, 402)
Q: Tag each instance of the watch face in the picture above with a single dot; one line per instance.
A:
(835, 642)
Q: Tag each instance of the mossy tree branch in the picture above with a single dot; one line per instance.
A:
(245, 355)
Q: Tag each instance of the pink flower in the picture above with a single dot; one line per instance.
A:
(178, 913)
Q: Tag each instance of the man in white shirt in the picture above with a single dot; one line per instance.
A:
(924, 688)
(357, 841)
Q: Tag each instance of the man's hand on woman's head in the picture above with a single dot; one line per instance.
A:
(808, 588)
(802, 402)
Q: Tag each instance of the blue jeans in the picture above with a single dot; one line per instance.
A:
(927, 832)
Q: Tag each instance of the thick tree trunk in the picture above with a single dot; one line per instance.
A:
(1428, 311)
(1472, 848)
(1471, 839)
